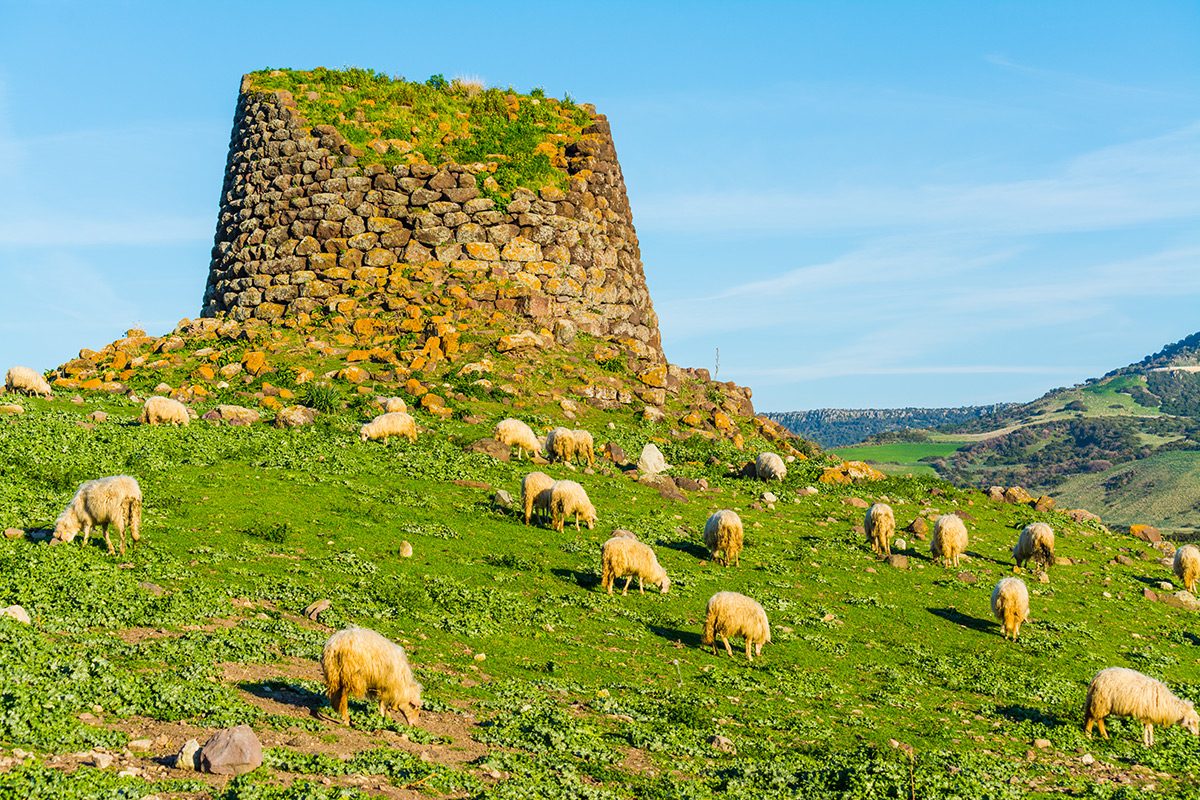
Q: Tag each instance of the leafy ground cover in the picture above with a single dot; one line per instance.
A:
(900, 457)
(879, 682)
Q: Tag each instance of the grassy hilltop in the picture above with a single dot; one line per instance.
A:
(879, 682)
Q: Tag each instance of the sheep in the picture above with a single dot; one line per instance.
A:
(532, 485)
(880, 525)
(1128, 693)
(393, 423)
(116, 500)
(560, 444)
(356, 662)
(1010, 605)
(585, 446)
(159, 410)
(723, 533)
(949, 539)
(732, 614)
(391, 404)
(770, 467)
(1187, 566)
(623, 556)
(23, 380)
(1036, 544)
(623, 533)
(514, 433)
(567, 498)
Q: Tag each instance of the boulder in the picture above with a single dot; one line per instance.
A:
(10, 409)
(315, 610)
(1147, 533)
(721, 743)
(16, 612)
(996, 493)
(897, 561)
(502, 499)
(13, 533)
(239, 416)
(1015, 494)
(188, 757)
(491, 447)
(615, 453)
(233, 751)
(405, 550)
(1082, 515)
(564, 332)
(295, 417)
(651, 461)
(1044, 503)
(1181, 599)
(520, 341)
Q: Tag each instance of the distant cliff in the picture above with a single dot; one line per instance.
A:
(838, 427)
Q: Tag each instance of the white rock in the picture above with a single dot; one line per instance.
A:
(651, 461)
(17, 613)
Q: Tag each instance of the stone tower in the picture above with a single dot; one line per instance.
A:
(304, 228)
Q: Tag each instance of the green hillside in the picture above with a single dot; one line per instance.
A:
(1161, 487)
(899, 457)
(878, 682)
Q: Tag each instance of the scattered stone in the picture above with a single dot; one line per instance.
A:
(295, 417)
(1015, 494)
(405, 550)
(1082, 515)
(721, 743)
(520, 341)
(996, 493)
(13, 533)
(689, 484)
(152, 588)
(1150, 595)
(1044, 503)
(1087, 759)
(188, 757)
(98, 416)
(615, 453)
(1043, 577)
(233, 751)
(11, 408)
(919, 527)
(1182, 599)
(897, 561)
(652, 461)
(16, 612)
(857, 502)
(140, 745)
(1041, 744)
(808, 491)
(1166, 586)
(564, 332)
(1147, 533)
(968, 577)
(1125, 560)
(1063, 561)
(502, 499)
(491, 447)
(769, 497)
(480, 656)
(653, 414)
(900, 544)
(101, 760)
(238, 416)
(316, 609)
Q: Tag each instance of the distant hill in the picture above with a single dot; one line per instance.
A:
(838, 427)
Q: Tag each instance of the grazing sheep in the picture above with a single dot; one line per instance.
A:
(1010, 605)
(1187, 566)
(533, 485)
(514, 433)
(770, 467)
(732, 614)
(560, 444)
(1128, 693)
(115, 500)
(1036, 544)
(159, 410)
(567, 498)
(622, 533)
(585, 446)
(23, 380)
(357, 662)
(393, 423)
(949, 539)
(880, 525)
(723, 533)
(622, 556)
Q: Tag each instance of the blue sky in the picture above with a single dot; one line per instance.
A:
(861, 204)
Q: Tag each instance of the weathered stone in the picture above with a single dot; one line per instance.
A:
(897, 561)
(295, 417)
(651, 461)
(16, 612)
(232, 415)
(233, 751)
(502, 499)
(1147, 533)
(315, 609)
(489, 446)
(13, 533)
(521, 249)
(520, 341)
(564, 332)
(188, 757)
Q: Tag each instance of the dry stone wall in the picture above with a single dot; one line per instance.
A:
(304, 227)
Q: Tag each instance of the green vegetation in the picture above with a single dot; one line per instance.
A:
(900, 457)
(394, 121)
(565, 691)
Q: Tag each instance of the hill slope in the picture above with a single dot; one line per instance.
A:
(838, 427)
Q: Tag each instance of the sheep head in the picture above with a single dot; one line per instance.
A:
(1190, 720)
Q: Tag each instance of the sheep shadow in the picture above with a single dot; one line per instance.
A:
(1018, 713)
(981, 557)
(286, 693)
(965, 620)
(1148, 580)
(690, 548)
(585, 580)
(688, 639)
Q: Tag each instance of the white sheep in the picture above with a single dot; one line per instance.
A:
(622, 556)
(560, 444)
(514, 433)
(880, 525)
(732, 614)
(770, 467)
(723, 533)
(393, 423)
(949, 539)
(585, 446)
(116, 500)
(23, 380)
(1125, 692)
(1187, 566)
(159, 410)
(1010, 605)
(569, 498)
(1035, 544)
(357, 662)
(391, 404)
(533, 485)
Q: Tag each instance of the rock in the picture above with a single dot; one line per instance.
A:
(721, 743)
(1082, 515)
(651, 461)
(1125, 560)
(1015, 494)
(16, 612)
(615, 453)
(140, 745)
(405, 550)
(11, 409)
(13, 533)
(653, 414)
(188, 757)
(502, 499)
(295, 417)
(1166, 586)
(520, 341)
(152, 588)
(900, 544)
(491, 447)
(1043, 576)
(1063, 561)
(316, 609)
(1150, 595)
(689, 484)
(968, 577)
(255, 363)
(98, 416)
(1044, 503)
(564, 332)
(1147, 533)
(1182, 599)
(233, 751)
(996, 493)
(101, 760)
(897, 561)
(1087, 759)
(769, 497)
(1041, 744)
(857, 502)
(919, 527)
(238, 416)
(808, 491)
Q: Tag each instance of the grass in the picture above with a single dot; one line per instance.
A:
(579, 694)
(1161, 489)
(899, 457)
(395, 121)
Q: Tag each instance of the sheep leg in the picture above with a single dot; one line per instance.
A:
(87, 533)
(1087, 725)
(758, 649)
(1103, 730)
(748, 656)
(341, 701)
(1148, 735)
(625, 591)
(577, 522)
(640, 589)
(728, 649)
(107, 541)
